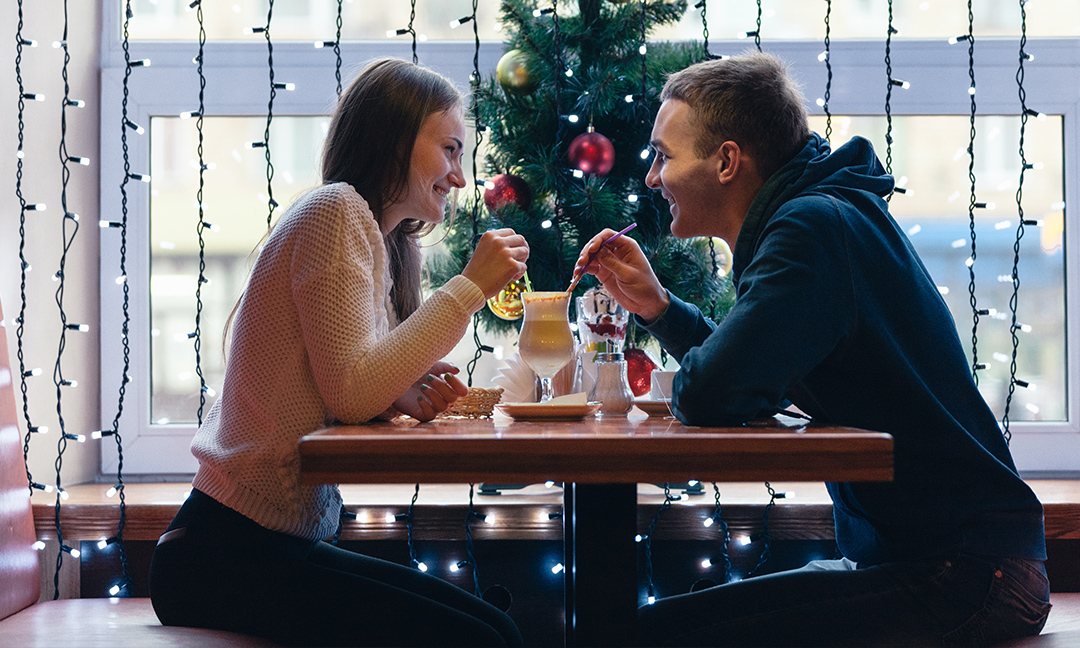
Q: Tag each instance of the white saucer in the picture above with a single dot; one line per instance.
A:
(548, 412)
(658, 407)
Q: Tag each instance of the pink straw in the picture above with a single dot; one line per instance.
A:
(577, 278)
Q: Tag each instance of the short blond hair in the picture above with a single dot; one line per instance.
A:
(748, 99)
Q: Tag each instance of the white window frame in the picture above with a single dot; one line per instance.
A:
(938, 73)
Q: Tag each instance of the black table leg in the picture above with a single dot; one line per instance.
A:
(599, 523)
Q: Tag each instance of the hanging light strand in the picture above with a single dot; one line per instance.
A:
(24, 265)
(469, 547)
(725, 533)
(478, 131)
(1014, 298)
(766, 550)
(641, 106)
(708, 55)
(413, 560)
(972, 201)
(557, 46)
(201, 226)
(828, 72)
(271, 203)
(337, 50)
(412, 30)
(70, 229)
(126, 326)
(757, 32)
(888, 93)
(668, 499)
(703, 6)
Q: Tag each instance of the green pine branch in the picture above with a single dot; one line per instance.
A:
(527, 136)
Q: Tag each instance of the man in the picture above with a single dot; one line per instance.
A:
(836, 314)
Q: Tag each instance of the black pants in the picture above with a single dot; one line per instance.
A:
(217, 569)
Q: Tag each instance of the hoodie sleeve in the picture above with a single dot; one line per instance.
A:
(794, 306)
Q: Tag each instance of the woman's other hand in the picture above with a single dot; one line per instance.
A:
(433, 394)
(499, 258)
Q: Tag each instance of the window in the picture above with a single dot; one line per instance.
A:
(930, 159)
(930, 130)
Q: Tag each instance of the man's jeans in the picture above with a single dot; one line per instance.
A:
(966, 600)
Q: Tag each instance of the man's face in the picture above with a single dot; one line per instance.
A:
(689, 183)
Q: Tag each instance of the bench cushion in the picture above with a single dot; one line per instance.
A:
(108, 623)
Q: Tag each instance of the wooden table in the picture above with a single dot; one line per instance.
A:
(600, 461)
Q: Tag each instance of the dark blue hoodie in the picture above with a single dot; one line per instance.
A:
(836, 313)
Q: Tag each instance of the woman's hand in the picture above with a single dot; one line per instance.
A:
(432, 394)
(499, 258)
(626, 273)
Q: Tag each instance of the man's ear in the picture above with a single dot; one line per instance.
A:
(729, 161)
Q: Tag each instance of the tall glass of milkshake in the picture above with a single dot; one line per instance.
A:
(546, 343)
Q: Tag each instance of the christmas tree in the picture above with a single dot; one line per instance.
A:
(567, 118)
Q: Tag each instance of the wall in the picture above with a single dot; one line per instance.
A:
(41, 69)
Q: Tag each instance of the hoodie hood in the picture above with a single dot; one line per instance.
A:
(852, 167)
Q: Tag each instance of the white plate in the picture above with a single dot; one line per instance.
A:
(542, 412)
(660, 407)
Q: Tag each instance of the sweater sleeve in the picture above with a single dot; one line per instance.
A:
(340, 280)
(794, 306)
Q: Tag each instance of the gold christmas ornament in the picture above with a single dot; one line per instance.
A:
(724, 257)
(507, 304)
(513, 73)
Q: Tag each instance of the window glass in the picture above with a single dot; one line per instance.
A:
(930, 159)
(315, 20)
(803, 20)
(235, 204)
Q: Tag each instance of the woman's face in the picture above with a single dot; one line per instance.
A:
(434, 169)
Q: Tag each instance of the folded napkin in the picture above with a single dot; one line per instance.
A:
(580, 398)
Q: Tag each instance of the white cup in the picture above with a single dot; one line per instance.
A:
(660, 384)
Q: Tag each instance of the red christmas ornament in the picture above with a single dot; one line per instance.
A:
(639, 368)
(507, 188)
(592, 153)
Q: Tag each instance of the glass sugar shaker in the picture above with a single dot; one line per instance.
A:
(612, 388)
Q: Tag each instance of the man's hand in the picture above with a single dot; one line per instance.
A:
(625, 272)
(432, 394)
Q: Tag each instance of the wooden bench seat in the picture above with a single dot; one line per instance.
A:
(25, 622)
(108, 623)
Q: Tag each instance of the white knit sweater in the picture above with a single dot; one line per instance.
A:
(315, 340)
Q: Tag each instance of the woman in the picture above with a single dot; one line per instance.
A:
(331, 328)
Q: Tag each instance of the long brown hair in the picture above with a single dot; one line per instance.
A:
(369, 145)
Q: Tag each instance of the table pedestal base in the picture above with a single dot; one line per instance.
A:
(599, 524)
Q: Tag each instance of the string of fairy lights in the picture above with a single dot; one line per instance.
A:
(24, 265)
(478, 130)
(1014, 326)
(123, 585)
(890, 82)
(826, 58)
(973, 203)
(70, 227)
(70, 230)
(478, 139)
(201, 224)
